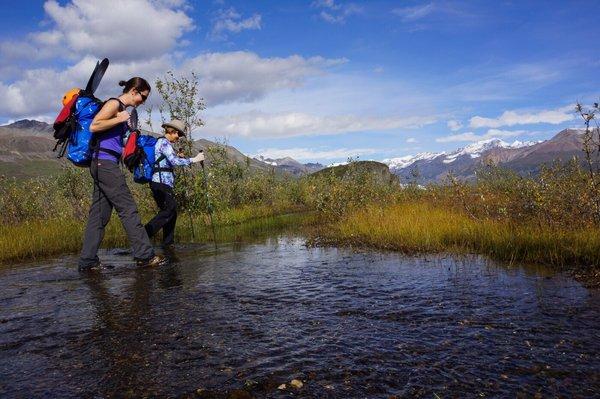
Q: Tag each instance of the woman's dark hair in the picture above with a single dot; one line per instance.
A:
(137, 83)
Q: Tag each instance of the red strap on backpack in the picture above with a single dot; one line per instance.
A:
(131, 151)
(130, 145)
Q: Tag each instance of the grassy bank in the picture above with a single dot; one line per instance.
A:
(551, 218)
(421, 227)
(41, 239)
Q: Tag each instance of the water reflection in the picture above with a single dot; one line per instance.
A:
(118, 335)
(251, 317)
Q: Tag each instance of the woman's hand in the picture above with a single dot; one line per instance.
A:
(108, 117)
(123, 116)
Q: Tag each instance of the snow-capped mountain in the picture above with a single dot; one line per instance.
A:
(290, 165)
(472, 150)
(403, 162)
(523, 156)
(475, 150)
(268, 161)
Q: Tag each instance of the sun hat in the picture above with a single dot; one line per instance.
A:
(177, 125)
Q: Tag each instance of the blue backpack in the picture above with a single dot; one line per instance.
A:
(72, 125)
(147, 163)
(80, 148)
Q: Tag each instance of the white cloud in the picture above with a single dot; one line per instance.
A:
(38, 91)
(470, 136)
(410, 14)
(497, 133)
(307, 154)
(507, 82)
(438, 15)
(511, 118)
(244, 76)
(258, 124)
(454, 125)
(119, 30)
(335, 13)
(230, 21)
(411, 140)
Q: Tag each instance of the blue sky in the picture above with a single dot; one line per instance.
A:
(320, 80)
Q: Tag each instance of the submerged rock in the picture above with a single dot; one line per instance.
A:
(296, 384)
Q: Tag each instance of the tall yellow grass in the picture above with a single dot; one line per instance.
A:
(420, 227)
(32, 240)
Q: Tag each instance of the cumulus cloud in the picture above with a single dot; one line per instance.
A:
(120, 30)
(454, 125)
(230, 21)
(244, 76)
(39, 91)
(511, 118)
(259, 124)
(470, 136)
(224, 78)
(305, 154)
(335, 13)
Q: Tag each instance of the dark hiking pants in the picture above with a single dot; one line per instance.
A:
(111, 191)
(167, 217)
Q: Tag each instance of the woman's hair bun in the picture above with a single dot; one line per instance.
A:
(137, 83)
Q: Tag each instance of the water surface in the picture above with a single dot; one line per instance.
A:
(250, 317)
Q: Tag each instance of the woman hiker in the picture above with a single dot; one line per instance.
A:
(110, 189)
(162, 183)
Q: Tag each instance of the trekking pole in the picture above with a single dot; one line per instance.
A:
(208, 204)
(187, 195)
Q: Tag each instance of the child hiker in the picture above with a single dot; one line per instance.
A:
(110, 189)
(162, 183)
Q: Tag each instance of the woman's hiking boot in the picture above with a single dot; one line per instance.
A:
(92, 267)
(156, 260)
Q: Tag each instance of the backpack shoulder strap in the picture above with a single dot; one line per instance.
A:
(160, 158)
(121, 105)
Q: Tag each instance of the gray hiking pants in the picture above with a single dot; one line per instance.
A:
(110, 190)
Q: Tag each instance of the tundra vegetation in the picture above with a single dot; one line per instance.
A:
(552, 217)
(548, 218)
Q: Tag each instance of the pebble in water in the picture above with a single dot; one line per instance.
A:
(296, 384)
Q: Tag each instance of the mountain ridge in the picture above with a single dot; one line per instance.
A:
(31, 141)
(523, 157)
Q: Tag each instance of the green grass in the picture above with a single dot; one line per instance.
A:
(418, 227)
(41, 239)
(410, 228)
(30, 169)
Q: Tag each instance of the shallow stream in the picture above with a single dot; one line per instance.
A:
(245, 320)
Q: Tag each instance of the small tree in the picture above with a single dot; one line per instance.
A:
(181, 100)
(591, 149)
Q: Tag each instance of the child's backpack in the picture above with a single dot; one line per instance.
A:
(72, 125)
(141, 159)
